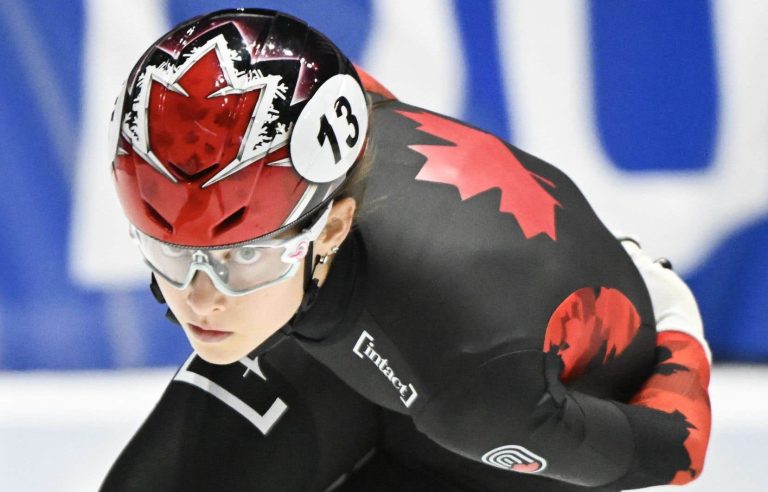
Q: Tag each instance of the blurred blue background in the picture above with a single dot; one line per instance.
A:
(657, 109)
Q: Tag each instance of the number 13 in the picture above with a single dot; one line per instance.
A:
(342, 108)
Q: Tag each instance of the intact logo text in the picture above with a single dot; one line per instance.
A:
(365, 349)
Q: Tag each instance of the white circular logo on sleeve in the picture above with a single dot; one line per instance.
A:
(330, 131)
(515, 458)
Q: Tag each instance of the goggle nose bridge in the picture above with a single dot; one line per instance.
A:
(200, 257)
(202, 261)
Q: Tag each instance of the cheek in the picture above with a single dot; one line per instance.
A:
(276, 303)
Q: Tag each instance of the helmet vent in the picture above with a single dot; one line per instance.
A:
(157, 218)
(229, 222)
(192, 177)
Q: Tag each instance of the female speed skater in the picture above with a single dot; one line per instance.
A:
(380, 297)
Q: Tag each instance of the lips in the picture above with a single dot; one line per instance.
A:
(207, 335)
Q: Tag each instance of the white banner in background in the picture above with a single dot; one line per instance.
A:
(421, 62)
(116, 34)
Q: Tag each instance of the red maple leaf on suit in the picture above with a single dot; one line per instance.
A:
(586, 325)
(479, 162)
(679, 384)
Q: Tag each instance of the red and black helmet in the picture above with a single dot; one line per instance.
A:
(235, 125)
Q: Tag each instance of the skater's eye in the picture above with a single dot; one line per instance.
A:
(246, 255)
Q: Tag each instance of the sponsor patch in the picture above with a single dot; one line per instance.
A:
(515, 458)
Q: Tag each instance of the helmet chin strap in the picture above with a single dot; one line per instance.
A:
(309, 266)
(311, 286)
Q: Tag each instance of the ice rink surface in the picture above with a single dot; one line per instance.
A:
(61, 431)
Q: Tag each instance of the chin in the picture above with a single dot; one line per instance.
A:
(227, 351)
(218, 356)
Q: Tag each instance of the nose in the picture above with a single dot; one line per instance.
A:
(203, 297)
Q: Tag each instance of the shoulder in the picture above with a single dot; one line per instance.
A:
(452, 151)
(483, 236)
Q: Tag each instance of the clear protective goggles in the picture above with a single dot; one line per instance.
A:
(234, 271)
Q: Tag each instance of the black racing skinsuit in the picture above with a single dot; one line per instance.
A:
(480, 317)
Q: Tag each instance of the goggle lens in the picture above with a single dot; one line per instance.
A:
(234, 271)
